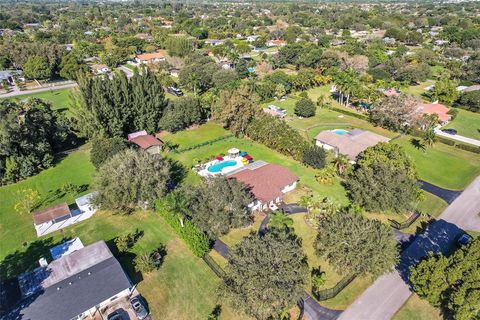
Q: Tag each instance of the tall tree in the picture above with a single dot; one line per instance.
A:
(130, 179)
(236, 109)
(266, 274)
(384, 179)
(371, 247)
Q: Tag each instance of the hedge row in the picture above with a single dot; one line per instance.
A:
(351, 113)
(467, 147)
(195, 239)
(206, 143)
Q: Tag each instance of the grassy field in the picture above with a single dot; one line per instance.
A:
(467, 124)
(60, 99)
(16, 228)
(418, 89)
(188, 138)
(443, 165)
(417, 309)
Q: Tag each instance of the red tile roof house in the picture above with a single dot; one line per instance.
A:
(150, 57)
(146, 142)
(436, 108)
(276, 43)
(268, 182)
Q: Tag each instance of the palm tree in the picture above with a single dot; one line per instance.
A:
(279, 221)
(341, 164)
(429, 134)
(177, 202)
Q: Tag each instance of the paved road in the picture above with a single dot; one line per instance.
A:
(389, 292)
(20, 93)
(448, 195)
(457, 137)
(222, 248)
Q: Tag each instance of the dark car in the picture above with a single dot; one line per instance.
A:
(175, 91)
(139, 308)
(464, 239)
(450, 131)
(116, 315)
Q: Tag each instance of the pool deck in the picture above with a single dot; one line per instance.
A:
(207, 173)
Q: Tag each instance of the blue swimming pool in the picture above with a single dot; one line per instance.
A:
(223, 164)
(340, 131)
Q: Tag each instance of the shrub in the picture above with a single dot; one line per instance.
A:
(446, 141)
(196, 240)
(314, 156)
(144, 263)
(453, 113)
(305, 107)
(468, 147)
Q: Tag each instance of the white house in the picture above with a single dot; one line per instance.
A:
(147, 58)
(268, 182)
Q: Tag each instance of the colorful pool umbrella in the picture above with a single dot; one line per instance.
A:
(243, 154)
(248, 157)
(219, 158)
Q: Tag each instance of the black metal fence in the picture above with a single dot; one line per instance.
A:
(330, 293)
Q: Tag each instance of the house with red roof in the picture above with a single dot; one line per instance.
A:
(146, 142)
(436, 108)
(268, 183)
(276, 43)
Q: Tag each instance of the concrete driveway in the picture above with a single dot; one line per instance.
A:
(457, 137)
(389, 292)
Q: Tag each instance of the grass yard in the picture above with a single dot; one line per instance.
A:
(347, 295)
(236, 235)
(467, 124)
(418, 89)
(259, 152)
(443, 165)
(15, 228)
(188, 138)
(60, 99)
(417, 309)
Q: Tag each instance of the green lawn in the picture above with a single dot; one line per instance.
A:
(417, 309)
(15, 228)
(347, 295)
(419, 89)
(467, 124)
(188, 138)
(60, 99)
(443, 165)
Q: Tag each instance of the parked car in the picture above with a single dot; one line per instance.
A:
(139, 307)
(464, 239)
(280, 111)
(175, 91)
(116, 315)
(450, 131)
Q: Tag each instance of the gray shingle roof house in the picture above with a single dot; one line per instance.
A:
(75, 285)
(349, 143)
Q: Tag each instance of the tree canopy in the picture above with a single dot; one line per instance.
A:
(132, 178)
(384, 179)
(371, 247)
(266, 274)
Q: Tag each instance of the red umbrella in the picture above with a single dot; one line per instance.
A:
(248, 157)
(219, 158)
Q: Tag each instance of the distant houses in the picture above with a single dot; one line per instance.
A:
(276, 43)
(146, 58)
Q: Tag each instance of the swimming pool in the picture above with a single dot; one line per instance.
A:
(340, 132)
(218, 167)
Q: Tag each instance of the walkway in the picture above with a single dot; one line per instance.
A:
(448, 195)
(389, 292)
(457, 137)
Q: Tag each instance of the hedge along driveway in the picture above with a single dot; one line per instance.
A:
(445, 166)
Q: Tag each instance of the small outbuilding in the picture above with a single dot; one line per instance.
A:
(146, 142)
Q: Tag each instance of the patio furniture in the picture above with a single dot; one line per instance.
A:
(233, 153)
